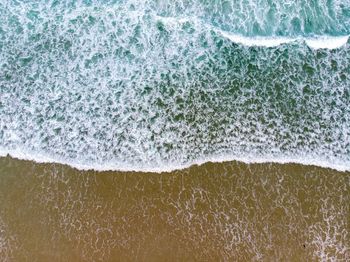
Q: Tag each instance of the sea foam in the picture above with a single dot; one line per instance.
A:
(170, 167)
(321, 42)
(141, 87)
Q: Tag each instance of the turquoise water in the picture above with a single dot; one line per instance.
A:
(156, 85)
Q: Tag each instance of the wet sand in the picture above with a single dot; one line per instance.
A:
(217, 211)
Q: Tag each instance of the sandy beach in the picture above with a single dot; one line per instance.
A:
(230, 211)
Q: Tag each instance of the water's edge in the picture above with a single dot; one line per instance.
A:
(168, 168)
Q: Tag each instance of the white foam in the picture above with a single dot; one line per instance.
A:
(327, 42)
(335, 164)
(257, 41)
(320, 42)
(315, 42)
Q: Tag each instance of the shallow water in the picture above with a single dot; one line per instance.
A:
(217, 211)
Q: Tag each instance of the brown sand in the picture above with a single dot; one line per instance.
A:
(221, 211)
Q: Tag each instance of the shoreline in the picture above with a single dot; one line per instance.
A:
(173, 168)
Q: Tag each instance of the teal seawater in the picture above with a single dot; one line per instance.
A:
(162, 84)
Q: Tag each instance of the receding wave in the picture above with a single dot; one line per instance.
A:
(153, 86)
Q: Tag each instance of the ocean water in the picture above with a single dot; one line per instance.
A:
(157, 85)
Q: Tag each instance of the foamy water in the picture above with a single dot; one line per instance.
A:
(143, 85)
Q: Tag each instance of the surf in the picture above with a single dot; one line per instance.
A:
(147, 87)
